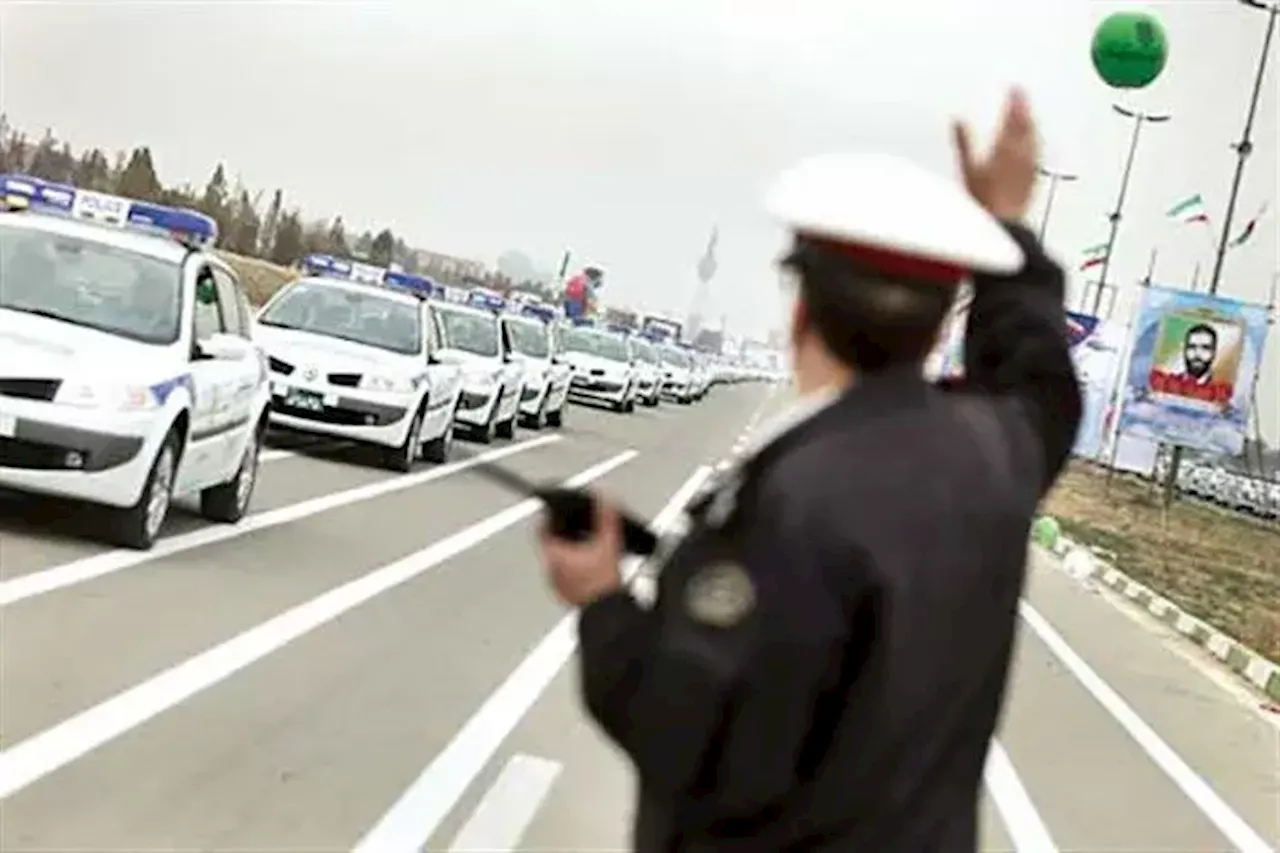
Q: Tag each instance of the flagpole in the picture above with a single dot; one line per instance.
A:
(1139, 118)
(1243, 149)
(1054, 178)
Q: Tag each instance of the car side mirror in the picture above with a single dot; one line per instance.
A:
(223, 347)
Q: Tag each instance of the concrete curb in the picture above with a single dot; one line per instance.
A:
(1240, 659)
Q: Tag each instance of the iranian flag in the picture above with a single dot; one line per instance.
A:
(1249, 227)
(1189, 210)
(1094, 256)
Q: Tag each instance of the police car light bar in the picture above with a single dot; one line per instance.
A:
(189, 227)
(328, 266)
(487, 299)
(538, 311)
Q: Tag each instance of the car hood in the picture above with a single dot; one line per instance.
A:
(329, 355)
(586, 361)
(40, 348)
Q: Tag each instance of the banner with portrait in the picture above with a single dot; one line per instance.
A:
(1191, 370)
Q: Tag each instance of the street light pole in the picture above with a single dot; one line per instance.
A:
(1243, 149)
(1054, 178)
(1139, 118)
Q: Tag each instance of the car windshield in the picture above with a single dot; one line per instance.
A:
(529, 338)
(644, 352)
(367, 318)
(670, 355)
(90, 284)
(589, 341)
(473, 333)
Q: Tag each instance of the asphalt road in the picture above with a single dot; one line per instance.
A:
(372, 662)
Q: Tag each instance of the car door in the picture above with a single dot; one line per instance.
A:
(445, 380)
(246, 377)
(512, 373)
(206, 452)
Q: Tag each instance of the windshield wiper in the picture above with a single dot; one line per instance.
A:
(280, 325)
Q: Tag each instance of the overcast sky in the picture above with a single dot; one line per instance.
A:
(626, 129)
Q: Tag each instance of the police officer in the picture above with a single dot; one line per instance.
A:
(825, 661)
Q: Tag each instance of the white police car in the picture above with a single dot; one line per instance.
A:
(677, 373)
(602, 369)
(354, 353)
(472, 338)
(545, 383)
(648, 370)
(128, 374)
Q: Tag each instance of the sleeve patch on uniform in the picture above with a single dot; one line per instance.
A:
(720, 595)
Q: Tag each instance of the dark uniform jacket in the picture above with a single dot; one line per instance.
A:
(825, 662)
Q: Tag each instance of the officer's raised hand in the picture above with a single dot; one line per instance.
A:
(1003, 181)
(582, 572)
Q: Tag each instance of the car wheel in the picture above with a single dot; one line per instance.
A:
(555, 419)
(139, 526)
(438, 450)
(507, 429)
(402, 458)
(539, 418)
(229, 502)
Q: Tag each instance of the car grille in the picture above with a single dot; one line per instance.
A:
(30, 389)
(284, 368)
(344, 380)
(330, 415)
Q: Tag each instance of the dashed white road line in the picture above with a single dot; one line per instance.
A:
(90, 568)
(1022, 822)
(53, 748)
(417, 815)
(1242, 836)
(507, 809)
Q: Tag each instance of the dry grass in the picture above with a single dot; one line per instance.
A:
(1218, 566)
(260, 278)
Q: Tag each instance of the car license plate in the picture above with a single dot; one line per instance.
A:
(8, 425)
(299, 399)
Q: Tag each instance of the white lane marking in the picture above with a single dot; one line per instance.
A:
(507, 809)
(274, 454)
(42, 754)
(1193, 656)
(1242, 836)
(90, 568)
(417, 815)
(1022, 822)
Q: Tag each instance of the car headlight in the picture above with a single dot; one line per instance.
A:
(108, 396)
(390, 384)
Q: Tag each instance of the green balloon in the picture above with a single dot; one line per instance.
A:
(1129, 50)
(1046, 531)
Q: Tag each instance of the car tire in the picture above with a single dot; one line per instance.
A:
(555, 419)
(507, 429)
(439, 449)
(402, 459)
(138, 527)
(229, 502)
(539, 418)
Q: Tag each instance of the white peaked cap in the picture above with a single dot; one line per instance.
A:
(890, 205)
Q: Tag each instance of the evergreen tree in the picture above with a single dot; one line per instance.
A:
(287, 248)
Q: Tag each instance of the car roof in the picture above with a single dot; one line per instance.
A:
(360, 287)
(140, 242)
(466, 309)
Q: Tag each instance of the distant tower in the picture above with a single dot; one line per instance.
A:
(706, 271)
